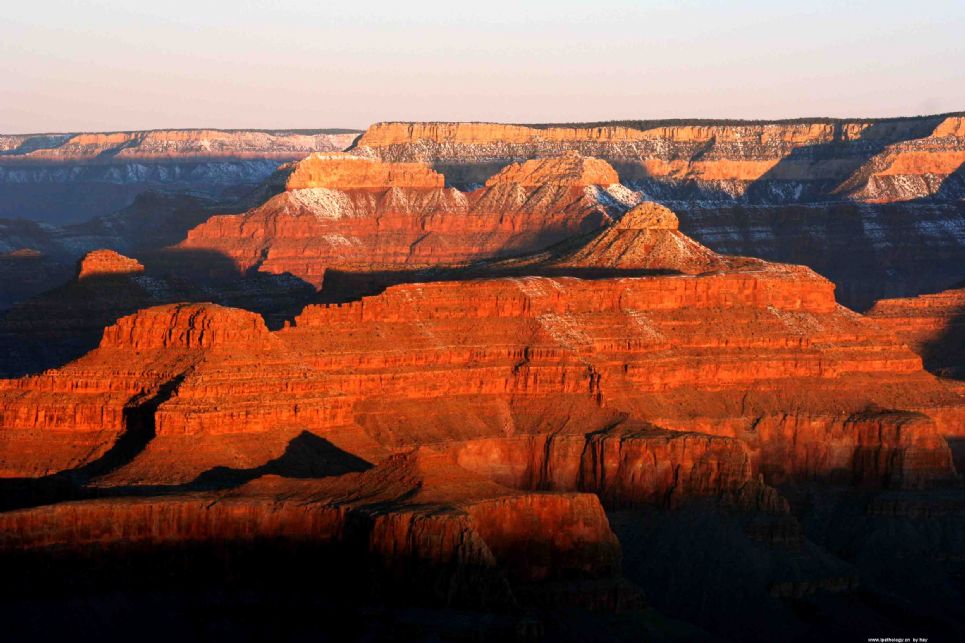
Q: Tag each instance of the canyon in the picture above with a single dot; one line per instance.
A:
(773, 162)
(68, 178)
(933, 325)
(853, 199)
(490, 370)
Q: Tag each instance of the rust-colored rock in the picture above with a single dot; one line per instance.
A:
(648, 216)
(571, 170)
(347, 172)
(188, 326)
(414, 508)
(99, 263)
(933, 326)
(870, 160)
(645, 238)
(333, 218)
(759, 353)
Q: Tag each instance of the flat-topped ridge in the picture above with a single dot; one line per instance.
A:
(188, 326)
(351, 172)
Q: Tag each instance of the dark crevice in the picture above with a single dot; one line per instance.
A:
(139, 430)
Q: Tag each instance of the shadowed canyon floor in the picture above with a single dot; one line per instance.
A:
(534, 410)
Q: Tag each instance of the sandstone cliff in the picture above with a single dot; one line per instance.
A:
(758, 353)
(107, 262)
(470, 539)
(469, 433)
(182, 145)
(331, 216)
(854, 200)
(780, 162)
(453, 440)
(933, 325)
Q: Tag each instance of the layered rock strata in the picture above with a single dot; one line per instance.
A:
(760, 354)
(780, 162)
(470, 539)
(933, 326)
(71, 177)
(498, 412)
(170, 144)
(855, 200)
(100, 263)
(354, 214)
(870, 251)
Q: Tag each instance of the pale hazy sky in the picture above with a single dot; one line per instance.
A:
(115, 65)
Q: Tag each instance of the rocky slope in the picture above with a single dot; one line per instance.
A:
(454, 438)
(871, 251)
(753, 352)
(63, 323)
(489, 408)
(71, 177)
(355, 214)
(471, 539)
(856, 200)
(933, 325)
(777, 162)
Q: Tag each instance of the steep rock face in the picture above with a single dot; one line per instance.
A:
(99, 263)
(776, 162)
(644, 238)
(854, 200)
(649, 216)
(501, 415)
(77, 414)
(66, 322)
(871, 251)
(71, 177)
(761, 355)
(153, 220)
(170, 144)
(348, 172)
(188, 326)
(626, 467)
(331, 217)
(933, 325)
(469, 538)
(571, 170)
(751, 351)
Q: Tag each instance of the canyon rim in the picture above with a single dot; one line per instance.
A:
(503, 344)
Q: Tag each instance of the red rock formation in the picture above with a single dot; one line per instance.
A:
(416, 506)
(498, 413)
(332, 217)
(571, 169)
(181, 145)
(107, 262)
(760, 353)
(646, 237)
(869, 160)
(346, 172)
(188, 326)
(624, 467)
(933, 326)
